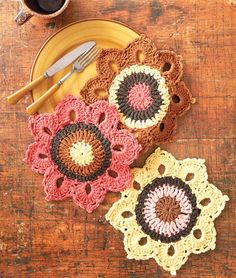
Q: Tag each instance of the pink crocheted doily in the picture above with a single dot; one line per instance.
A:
(81, 152)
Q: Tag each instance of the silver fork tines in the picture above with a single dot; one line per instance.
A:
(86, 53)
(87, 58)
(79, 65)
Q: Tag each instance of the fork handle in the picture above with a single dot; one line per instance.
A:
(34, 107)
(14, 98)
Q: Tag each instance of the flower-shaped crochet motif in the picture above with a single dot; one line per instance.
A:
(81, 152)
(144, 84)
(168, 212)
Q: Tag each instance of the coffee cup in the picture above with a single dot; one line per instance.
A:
(40, 8)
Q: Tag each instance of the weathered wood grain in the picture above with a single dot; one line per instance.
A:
(56, 239)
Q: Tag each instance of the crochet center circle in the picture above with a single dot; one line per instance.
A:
(141, 96)
(81, 151)
(166, 209)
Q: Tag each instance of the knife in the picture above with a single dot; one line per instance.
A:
(57, 66)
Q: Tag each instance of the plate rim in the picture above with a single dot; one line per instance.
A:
(66, 26)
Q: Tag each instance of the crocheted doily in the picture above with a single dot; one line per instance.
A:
(144, 84)
(168, 212)
(80, 152)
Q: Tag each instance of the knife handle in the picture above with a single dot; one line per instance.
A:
(14, 98)
(34, 107)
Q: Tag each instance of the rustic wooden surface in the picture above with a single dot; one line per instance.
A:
(41, 239)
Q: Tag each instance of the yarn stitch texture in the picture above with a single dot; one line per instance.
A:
(146, 89)
(81, 152)
(169, 211)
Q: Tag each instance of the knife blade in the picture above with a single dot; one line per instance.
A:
(69, 58)
(56, 67)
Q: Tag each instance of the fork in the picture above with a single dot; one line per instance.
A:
(79, 65)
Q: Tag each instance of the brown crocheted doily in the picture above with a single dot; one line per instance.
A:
(144, 84)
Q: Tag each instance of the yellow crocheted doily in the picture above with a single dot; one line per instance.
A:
(169, 211)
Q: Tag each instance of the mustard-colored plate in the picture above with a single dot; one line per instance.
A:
(107, 34)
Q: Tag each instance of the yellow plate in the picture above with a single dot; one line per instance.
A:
(107, 34)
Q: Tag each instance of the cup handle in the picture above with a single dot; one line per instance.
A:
(22, 17)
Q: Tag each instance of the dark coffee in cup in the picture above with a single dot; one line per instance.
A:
(46, 9)
(45, 6)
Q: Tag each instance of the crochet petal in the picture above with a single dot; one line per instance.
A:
(94, 90)
(140, 45)
(158, 165)
(38, 156)
(138, 245)
(56, 185)
(104, 116)
(43, 127)
(181, 98)
(157, 134)
(164, 131)
(170, 64)
(203, 236)
(106, 61)
(174, 261)
(193, 171)
(210, 200)
(89, 195)
(70, 110)
(117, 177)
(122, 213)
(125, 147)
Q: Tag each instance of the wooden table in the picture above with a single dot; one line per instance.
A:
(41, 239)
